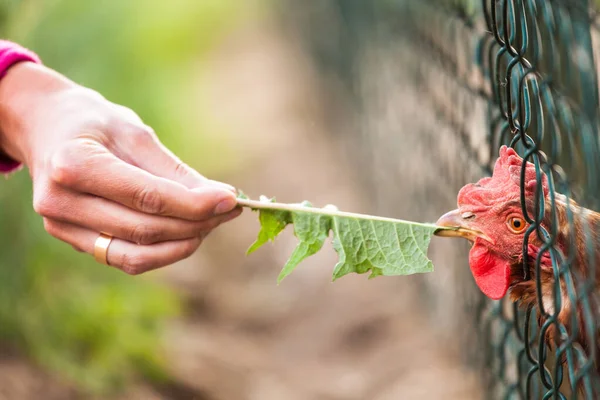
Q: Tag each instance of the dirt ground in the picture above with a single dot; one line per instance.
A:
(246, 338)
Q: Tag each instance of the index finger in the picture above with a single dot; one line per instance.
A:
(89, 167)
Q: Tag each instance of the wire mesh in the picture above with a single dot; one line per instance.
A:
(538, 60)
(529, 68)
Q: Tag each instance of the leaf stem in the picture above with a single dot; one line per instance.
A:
(255, 204)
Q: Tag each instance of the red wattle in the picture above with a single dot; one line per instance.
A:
(491, 273)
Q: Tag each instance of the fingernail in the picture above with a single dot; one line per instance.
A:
(225, 206)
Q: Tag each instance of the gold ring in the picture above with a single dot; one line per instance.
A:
(101, 248)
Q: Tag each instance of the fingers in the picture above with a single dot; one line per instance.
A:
(131, 258)
(85, 165)
(101, 215)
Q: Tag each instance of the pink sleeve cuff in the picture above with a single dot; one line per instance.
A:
(10, 54)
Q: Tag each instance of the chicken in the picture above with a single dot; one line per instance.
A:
(489, 215)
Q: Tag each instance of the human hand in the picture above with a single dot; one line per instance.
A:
(96, 167)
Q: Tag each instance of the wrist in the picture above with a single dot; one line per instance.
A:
(26, 91)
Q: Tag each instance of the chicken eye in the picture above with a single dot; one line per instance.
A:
(516, 224)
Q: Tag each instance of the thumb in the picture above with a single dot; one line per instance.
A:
(151, 155)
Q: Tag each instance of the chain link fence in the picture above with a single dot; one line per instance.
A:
(426, 92)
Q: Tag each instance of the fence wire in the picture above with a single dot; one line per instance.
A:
(538, 60)
(482, 74)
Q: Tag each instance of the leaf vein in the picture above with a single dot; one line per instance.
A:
(416, 242)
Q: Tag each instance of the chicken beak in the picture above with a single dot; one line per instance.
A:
(453, 225)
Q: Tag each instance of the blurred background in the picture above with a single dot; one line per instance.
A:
(328, 101)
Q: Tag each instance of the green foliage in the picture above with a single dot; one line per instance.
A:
(90, 324)
(364, 243)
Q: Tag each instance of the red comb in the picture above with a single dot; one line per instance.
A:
(504, 182)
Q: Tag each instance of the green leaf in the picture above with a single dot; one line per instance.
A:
(271, 225)
(364, 243)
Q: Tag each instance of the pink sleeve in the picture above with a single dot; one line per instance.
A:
(10, 54)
